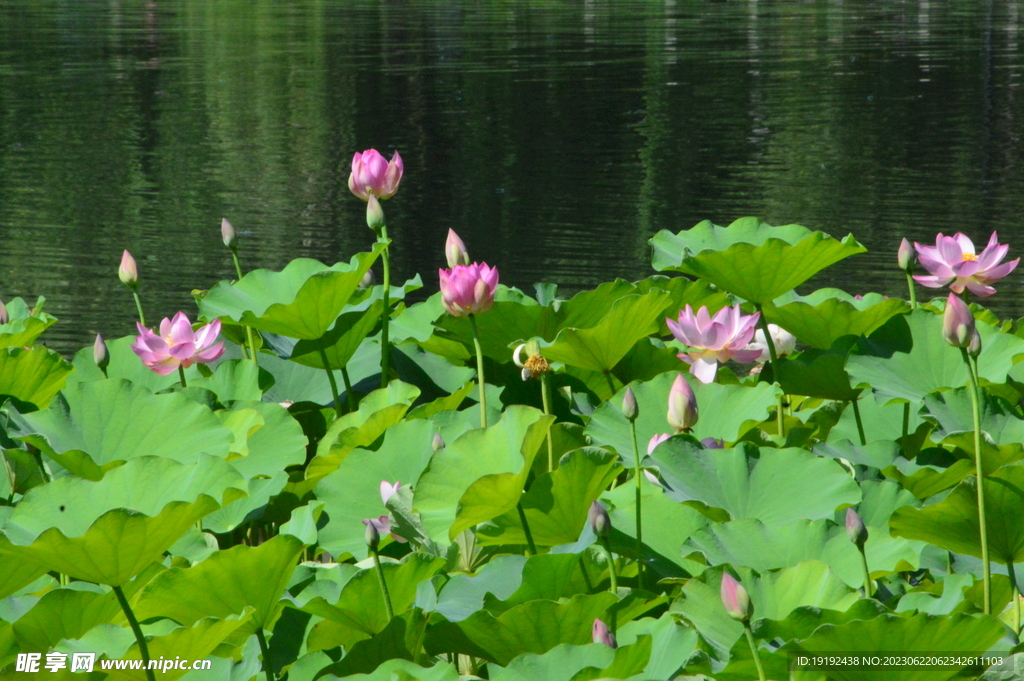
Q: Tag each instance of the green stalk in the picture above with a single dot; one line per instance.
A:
(480, 383)
(611, 383)
(753, 649)
(586, 575)
(913, 293)
(266, 654)
(779, 416)
(349, 396)
(614, 588)
(248, 330)
(980, 473)
(639, 512)
(860, 423)
(385, 315)
(1012, 573)
(383, 585)
(869, 586)
(181, 375)
(137, 630)
(138, 305)
(545, 394)
(906, 419)
(526, 530)
(418, 647)
(330, 378)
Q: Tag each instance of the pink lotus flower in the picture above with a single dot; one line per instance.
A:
(958, 327)
(177, 345)
(388, 490)
(655, 441)
(468, 289)
(455, 251)
(371, 174)
(714, 339)
(382, 525)
(784, 342)
(600, 633)
(952, 262)
(735, 599)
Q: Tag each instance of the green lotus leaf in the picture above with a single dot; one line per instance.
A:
(260, 490)
(534, 627)
(224, 584)
(672, 644)
(907, 357)
(301, 301)
(95, 426)
(395, 642)
(883, 420)
(823, 317)
(21, 472)
(406, 671)
(352, 492)
(957, 634)
(295, 382)
(23, 327)
(480, 475)
(339, 343)
(802, 621)
(725, 411)
(580, 663)
(235, 380)
(951, 411)
(272, 445)
(953, 523)
(941, 598)
(817, 373)
(109, 531)
(124, 363)
(16, 574)
(750, 258)
(547, 577)
(557, 503)
(33, 375)
(775, 486)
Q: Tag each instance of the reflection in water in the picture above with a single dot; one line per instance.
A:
(555, 137)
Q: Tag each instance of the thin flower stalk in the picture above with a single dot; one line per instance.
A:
(979, 472)
(137, 630)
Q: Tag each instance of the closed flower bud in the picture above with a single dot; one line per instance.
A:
(227, 233)
(4, 317)
(600, 523)
(372, 534)
(100, 354)
(374, 214)
(128, 272)
(682, 405)
(957, 322)
(736, 599)
(367, 280)
(855, 529)
(974, 349)
(906, 256)
(602, 634)
(455, 251)
(438, 442)
(629, 408)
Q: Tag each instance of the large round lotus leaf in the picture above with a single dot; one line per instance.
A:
(16, 573)
(942, 598)
(33, 375)
(823, 317)
(557, 503)
(534, 627)
(750, 258)
(952, 412)
(953, 522)
(480, 475)
(775, 486)
(234, 380)
(882, 422)
(339, 344)
(907, 357)
(724, 410)
(403, 669)
(591, 661)
(23, 327)
(124, 363)
(95, 426)
(817, 373)
(274, 439)
(462, 594)
(672, 643)
(109, 531)
(352, 492)
(546, 577)
(295, 382)
(260, 491)
(301, 301)
(224, 584)
(962, 635)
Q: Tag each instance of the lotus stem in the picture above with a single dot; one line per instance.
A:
(418, 647)
(614, 587)
(267, 667)
(138, 305)
(860, 423)
(780, 417)
(545, 395)
(526, 529)
(1012, 574)
(586, 575)
(248, 330)
(385, 315)
(383, 585)
(137, 630)
(980, 473)
(780, 420)
(906, 419)
(639, 512)
(611, 383)
(330, 378)
(181, 376)
(349, 396)
(869, 586)
(480, 382)
(913, 293)
(753, 649)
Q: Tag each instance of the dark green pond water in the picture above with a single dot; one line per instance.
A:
(555, 137)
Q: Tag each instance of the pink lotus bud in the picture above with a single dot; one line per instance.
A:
(906, 256)
(655, 441)
(600, 523)
(373, 176)
(682, 405)
(468, 289)
(227, 233)
(438, 442)
(372, 533)
(602, 634)
(957, 322)
(455, 251)
(4, 316)
(100, 354)
(629, 408)
(974, 349)
(374, 214)
(855, 529)
(736, 599)
(128, 272)
(387, 490)
(367, 280)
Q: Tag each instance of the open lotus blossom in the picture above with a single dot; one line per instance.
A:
(177, 344)
(371, 174)
(468, 289)
(784, 341)
(952, 262)
(715, 339)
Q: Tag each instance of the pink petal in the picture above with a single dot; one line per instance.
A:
(976, 287)
(703, 318)
(991, 256)
(950, 251)
(996, 273)
(686, 357)
(705, 370)
(966, 268)
(716, 336)
(182, 351)
(747, 356)
(965, 244)
(207, 334)
(935, 266)
(210, 354)
(181, 329)
(932, 282)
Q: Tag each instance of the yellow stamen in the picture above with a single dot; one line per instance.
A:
(970, 256)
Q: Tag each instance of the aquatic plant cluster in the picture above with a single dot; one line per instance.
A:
(703, 474)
